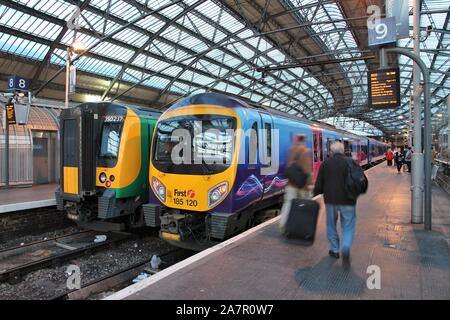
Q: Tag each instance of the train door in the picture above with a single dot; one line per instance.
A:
(265, 140)
(267, 159)
(317, 150)
(358, 151)
(40, 160)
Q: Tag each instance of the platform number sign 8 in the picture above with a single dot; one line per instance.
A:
(16, 83)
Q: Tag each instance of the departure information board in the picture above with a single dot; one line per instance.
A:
(384, 88)
(10, 113)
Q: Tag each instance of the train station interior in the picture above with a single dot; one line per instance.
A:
(95, 204)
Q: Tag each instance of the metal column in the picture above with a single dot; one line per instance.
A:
(427, 129)
(417, 165)
(66, 95)
(448, 122)
(6, 151)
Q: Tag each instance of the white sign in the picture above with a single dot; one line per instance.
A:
(383, 33)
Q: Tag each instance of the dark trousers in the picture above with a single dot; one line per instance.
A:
(389, 162)
(399, 165)
(408, 164)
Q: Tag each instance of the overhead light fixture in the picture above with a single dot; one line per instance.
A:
(78, 47)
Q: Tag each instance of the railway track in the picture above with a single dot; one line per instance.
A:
(121, 278)
(17, 261)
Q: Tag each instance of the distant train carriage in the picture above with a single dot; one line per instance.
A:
(104, 162)
(199, 202)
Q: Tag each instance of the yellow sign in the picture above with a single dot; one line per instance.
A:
(384, 88)
(10, 113)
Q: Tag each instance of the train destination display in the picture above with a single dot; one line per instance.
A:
(10, 113)
(384, 88)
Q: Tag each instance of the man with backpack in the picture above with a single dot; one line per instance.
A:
(340, 180)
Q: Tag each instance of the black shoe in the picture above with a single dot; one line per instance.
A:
(333, 254)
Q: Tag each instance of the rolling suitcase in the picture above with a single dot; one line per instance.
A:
(302, 220)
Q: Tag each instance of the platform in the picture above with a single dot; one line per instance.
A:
(38, 196)
(260, 264)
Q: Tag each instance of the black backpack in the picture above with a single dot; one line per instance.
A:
(356, 182)
(296, 176)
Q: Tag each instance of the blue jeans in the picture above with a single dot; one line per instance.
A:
(348, 222)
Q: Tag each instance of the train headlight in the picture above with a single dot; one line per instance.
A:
(217, 193)
(159, 189)
(102, 177)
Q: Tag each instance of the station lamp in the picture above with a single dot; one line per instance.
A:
(78, 47)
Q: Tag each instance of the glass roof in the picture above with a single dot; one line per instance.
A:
(185, 55)
(190, 46)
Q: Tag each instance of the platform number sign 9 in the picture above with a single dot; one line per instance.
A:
(383, 32)
(16, 83)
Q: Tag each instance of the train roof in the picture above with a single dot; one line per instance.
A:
(139, 110)
(232, 101)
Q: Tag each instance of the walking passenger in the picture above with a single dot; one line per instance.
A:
(331, 181)
(389, 157)
(299, 157)
(399, 159)
(408, 158)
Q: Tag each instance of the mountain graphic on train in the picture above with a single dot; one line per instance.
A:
(230, 181)
(104, 163)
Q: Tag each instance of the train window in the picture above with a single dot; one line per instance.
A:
(315, 147)
(328, 147)
(321, 146)
(110, 141)
(70, 143)
(268, 128)
(347, 147)
(253, 145)
(211, 144)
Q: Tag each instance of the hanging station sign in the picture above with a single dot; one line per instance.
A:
(384, 88)
(16, 83)
(383, 33)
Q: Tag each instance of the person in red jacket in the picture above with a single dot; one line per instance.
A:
(389, 157)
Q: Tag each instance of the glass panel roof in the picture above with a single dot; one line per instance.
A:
(190, 46)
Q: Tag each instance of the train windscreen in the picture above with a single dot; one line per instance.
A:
(110, 140)
(195, 144)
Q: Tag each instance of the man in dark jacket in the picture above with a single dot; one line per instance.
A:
(330, 181)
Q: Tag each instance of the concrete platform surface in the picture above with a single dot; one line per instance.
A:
(260, 264)
(15, 199)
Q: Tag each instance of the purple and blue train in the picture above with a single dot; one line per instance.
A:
(231, 173)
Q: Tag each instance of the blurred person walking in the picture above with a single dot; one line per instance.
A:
(299, 174)
(399, 159)
(389, 156)
(408, 158)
